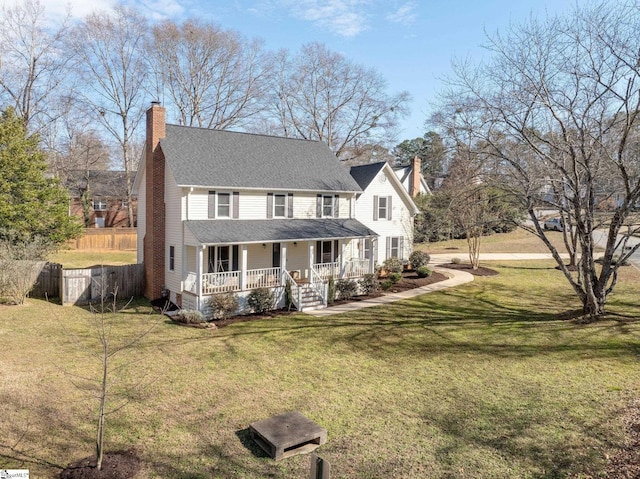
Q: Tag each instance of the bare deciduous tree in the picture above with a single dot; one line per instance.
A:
(33, 61)
(557, 108)
(110, 56)
(213, 77)
(321, 95)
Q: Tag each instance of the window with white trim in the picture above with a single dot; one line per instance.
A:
(172, 258)
(99, 205)
(395, 247)
(279, 206)
(327, 206)
(224, 205)
(383, 208)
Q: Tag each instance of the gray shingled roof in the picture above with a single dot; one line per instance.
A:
(227, 159)
(107, 183)
(364, 174)
(263, 231)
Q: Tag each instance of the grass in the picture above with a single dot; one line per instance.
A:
(517, 241)
(77, 259)
(483, 380)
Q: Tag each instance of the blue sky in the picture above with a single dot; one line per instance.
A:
(410, 42)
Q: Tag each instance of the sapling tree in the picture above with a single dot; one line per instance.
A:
(112, 345)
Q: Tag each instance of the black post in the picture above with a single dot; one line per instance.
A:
(320, 469)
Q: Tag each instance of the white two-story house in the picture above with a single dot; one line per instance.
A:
(225, 211)
(386, 207)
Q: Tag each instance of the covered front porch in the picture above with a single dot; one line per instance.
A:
(270, 262)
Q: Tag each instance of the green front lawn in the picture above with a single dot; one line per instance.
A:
(484, 380)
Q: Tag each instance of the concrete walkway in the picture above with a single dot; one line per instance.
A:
(456, 278)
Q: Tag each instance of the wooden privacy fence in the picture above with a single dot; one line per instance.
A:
(106, 238)
(82, 286)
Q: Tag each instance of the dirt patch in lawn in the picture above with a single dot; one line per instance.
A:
(115, 465)
(481, 271)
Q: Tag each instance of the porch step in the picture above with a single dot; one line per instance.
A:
(310, 299)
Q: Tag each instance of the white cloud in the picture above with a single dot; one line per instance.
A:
(343, 17)
(405, 14)
(57, 9)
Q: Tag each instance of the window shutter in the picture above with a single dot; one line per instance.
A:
(401, 247)
(269, 205)
(389, 207)
(375, 208)
(388, 255)
(212, 204)
(336, 206)
(336, 246)
(290, 205)
(319, 206)
(318, 252)
(236, 205)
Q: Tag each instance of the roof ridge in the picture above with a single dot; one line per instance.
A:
(244, 133)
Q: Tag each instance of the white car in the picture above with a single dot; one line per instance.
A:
(554, 224)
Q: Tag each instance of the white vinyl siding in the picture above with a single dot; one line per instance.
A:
(253, 205)
(401, 222)
(175, 204)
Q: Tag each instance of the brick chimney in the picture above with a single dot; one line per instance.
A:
(414, 182)
(154, 242)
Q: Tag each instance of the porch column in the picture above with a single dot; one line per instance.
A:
(243, 267)
(373, 254)
(312, 255)
(199, 262)
(283, 258)
(343, 253)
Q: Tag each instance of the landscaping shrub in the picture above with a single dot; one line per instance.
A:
(423, 272)
(346, 288)
(419, 258)
(395, 277)
(369, 283)
(332, 290)
(393, 265)
(261, 300)
(223, 306)
(386, 285)
(189, 316)
(456, 261)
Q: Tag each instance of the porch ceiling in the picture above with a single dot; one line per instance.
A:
(268, 231)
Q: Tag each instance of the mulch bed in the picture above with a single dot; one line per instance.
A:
(481, 271)
(115, 465)
(625, 463)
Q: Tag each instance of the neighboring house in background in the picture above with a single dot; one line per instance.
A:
(386, 207)
(412, 178)
(99, 198)
(228, 211)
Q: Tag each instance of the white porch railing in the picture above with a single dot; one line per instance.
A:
(327, 270)
(223, 282)
(356, 268)
(295, 289)
(220, 282)
(263, 278)
(317, 283)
